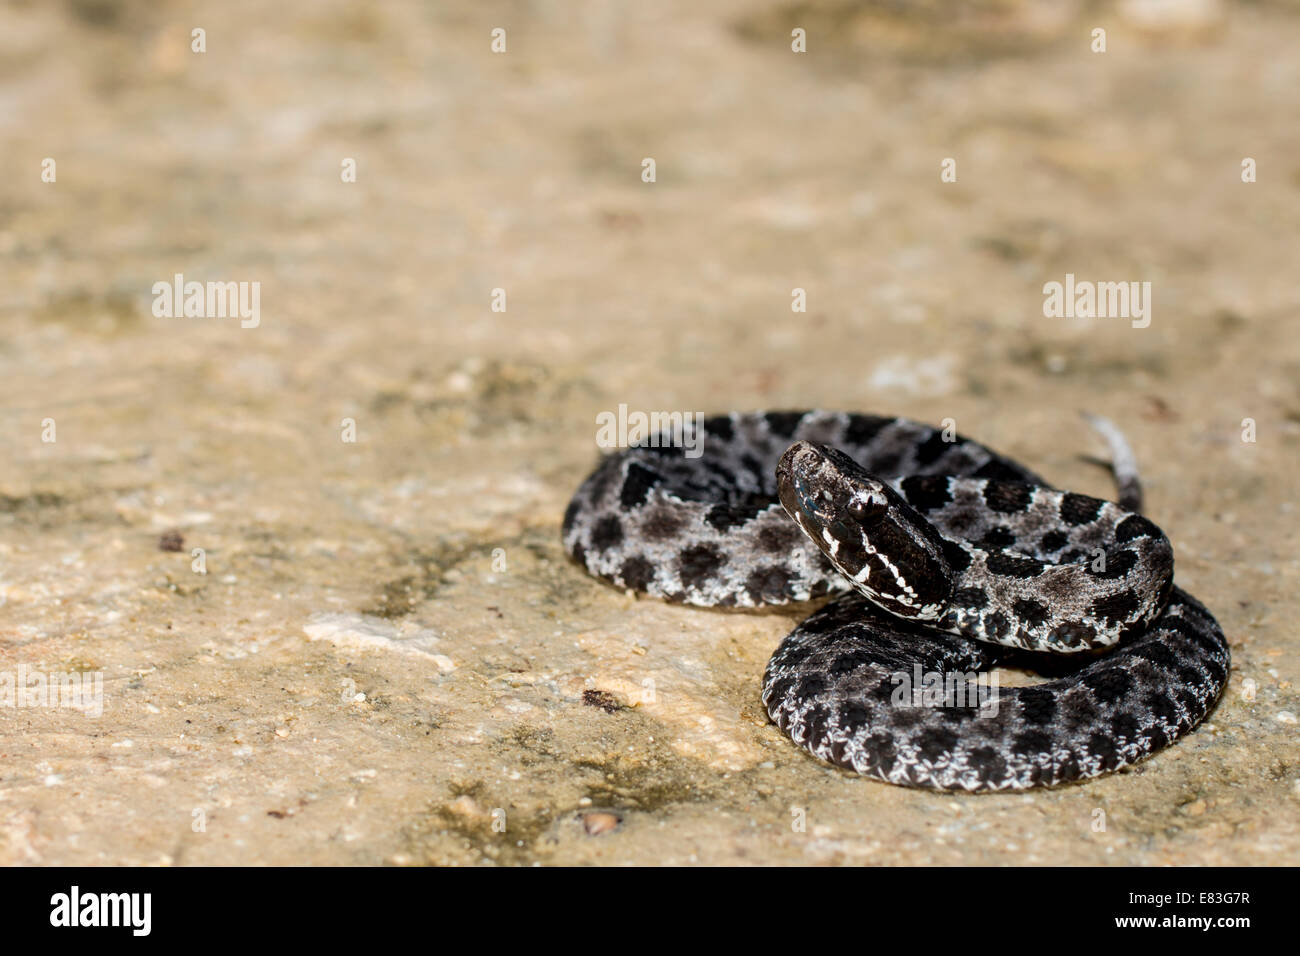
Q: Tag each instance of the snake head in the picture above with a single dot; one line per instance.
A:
(891, 554)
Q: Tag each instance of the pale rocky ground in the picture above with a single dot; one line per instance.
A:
(234, 729)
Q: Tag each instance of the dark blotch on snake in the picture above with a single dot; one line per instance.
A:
(637, 573)
(1037, 707)
(998, 538)
(1006, 497)
(1115, 607)
(607, 534)
(999, 470)
(936, 742)
(926, 492)
(958, 558)
(1014, 565)
(637, 486)
(1118, 564)
(1109, 685)
(863, 428)
(720, 428)
(768, 584)
(1079, 509)
(699, 563)
(1133, 527)
(725, 517)
(1054, 541)
(780, 539)
(1034, 612)
(662, 524)
(932, 449)
(784, 423)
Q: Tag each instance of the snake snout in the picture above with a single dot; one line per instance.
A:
(795, 461)
(799, 479)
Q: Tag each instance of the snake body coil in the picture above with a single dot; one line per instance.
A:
(946, 550)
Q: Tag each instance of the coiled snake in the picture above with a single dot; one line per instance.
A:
(946, 550)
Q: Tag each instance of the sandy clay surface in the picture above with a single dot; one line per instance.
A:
(389, 658)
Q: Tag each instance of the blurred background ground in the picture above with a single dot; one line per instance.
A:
(358, 678)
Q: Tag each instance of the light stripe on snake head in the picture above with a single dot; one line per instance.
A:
(891, 554)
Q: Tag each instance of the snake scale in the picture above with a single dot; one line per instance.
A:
(946, 558)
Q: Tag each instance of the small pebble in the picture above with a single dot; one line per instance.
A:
(597, 823)
(1285, 717)
(171, 540)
